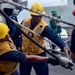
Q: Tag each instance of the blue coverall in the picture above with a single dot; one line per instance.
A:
(72, 47)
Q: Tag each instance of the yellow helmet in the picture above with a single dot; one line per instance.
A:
(38, 7)
(3, 30)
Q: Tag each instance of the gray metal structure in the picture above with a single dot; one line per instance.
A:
(66, 14)
(7, 8)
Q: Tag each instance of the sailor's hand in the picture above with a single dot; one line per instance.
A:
(66, 48)
(53, 61)
(57, 24)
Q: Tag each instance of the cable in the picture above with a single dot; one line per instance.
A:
(45, 15)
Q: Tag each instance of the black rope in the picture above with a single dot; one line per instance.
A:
(18, 27)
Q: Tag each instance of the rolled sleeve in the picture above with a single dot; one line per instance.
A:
(48, 32)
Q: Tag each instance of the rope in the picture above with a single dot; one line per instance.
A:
(45, 15)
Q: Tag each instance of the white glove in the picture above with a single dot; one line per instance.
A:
(66, 63)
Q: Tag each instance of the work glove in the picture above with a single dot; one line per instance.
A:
(66, 63)
(53, 61)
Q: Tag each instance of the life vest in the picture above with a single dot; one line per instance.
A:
(7, 67)
(29, 47)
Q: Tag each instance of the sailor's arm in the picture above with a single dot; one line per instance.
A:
(16, 56)
(48, 32)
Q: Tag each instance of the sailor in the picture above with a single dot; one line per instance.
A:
(55, 26)
(72, 47)
(10, 56)
(38, 25)
(14, 33)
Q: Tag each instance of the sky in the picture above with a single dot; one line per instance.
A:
(48, 2)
